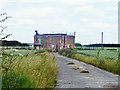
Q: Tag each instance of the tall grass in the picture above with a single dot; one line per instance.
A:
(34, 71)
(106, 64)
(103, 63)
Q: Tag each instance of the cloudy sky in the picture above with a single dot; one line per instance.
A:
(88, 18)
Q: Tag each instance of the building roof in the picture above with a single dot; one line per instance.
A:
(56, 34)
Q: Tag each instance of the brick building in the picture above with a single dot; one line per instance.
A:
(53, 41)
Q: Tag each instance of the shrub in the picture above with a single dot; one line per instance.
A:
(68, 52)
(47, 49)
(63, 53)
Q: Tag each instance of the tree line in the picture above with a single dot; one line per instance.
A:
(13, 43)
(104, 45)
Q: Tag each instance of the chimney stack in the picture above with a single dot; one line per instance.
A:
(74, 33)
(36, 32)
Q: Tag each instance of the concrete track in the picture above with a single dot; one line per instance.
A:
(70, 78)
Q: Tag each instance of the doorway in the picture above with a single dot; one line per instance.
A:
(56, 48)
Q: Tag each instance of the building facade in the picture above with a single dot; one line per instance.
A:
(53, 41)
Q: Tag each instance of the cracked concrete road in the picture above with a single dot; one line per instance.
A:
(70, 78)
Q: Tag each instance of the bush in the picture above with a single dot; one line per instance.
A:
(47, 49)
(68, 52)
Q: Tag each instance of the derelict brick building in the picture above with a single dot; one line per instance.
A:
(53, 41)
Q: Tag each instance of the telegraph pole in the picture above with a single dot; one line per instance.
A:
(102, 41)
(74, 38)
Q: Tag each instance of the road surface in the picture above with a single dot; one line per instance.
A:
(70, 78)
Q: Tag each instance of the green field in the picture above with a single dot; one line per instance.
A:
(24, 52)
(108, 54)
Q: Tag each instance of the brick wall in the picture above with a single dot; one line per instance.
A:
(55, 42)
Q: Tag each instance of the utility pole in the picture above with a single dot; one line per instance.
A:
(102, 41)
(74, 38)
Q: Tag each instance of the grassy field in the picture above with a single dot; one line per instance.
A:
(108, 54)
(96, 48)
(32, 69)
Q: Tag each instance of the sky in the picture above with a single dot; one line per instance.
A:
(88, 18)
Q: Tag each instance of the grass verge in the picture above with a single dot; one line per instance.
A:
(106, 64)
(34, 71)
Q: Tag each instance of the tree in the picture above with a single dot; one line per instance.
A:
(78, 45)
(2, 34)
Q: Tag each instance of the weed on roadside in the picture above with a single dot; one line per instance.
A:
(84, 71)
(69, 63)
(76, 68)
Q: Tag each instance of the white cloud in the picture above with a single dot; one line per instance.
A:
(2, 5)
(99, 25)
(105, 27)
(111, 8)
(26, 21)
(74, 2)
(84, 2)
(60, 21)
(89, 11)
(28, 1)
(35, 12)
(84, 19)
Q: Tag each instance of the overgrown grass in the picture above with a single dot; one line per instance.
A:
(84, 71)
(34, 71)
(70, 63)
(75, 67)
(103, 63)
(106, 64)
